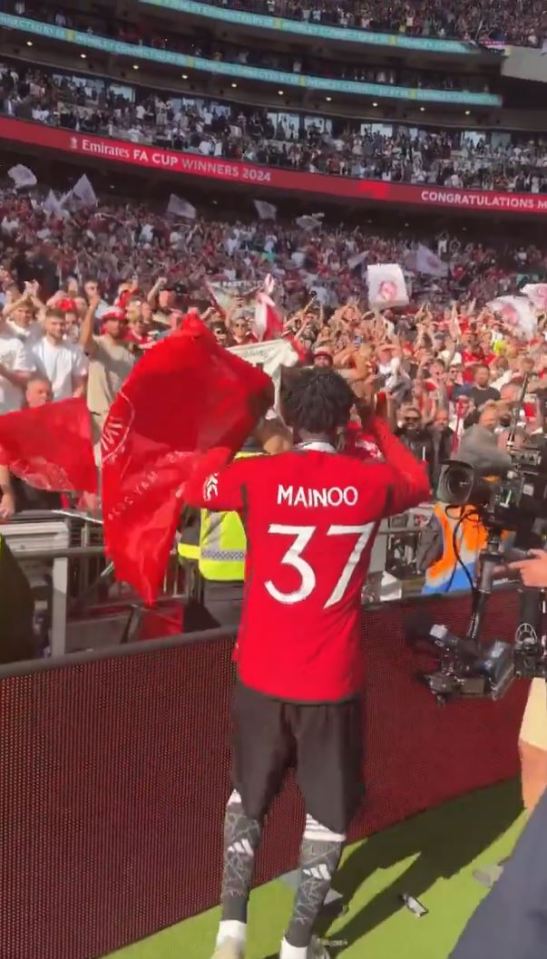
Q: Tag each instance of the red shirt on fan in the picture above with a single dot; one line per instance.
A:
(311, 516)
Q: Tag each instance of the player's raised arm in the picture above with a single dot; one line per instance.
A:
(217, 489)
(410, 482)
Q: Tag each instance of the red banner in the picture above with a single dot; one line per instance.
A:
(250, 174)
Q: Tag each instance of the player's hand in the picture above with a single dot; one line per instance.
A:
(533, 571)
(365, 409)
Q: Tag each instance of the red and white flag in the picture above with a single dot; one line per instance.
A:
(516, 312)
(386, 286)
(268, 323)
(537, 294)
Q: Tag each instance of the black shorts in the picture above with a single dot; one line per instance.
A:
(322, 741)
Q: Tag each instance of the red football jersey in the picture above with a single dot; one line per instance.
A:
(311, 516)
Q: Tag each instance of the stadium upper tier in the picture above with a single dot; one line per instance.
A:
(465, 159)
(251, 63)
(485, 21)
(427, 25)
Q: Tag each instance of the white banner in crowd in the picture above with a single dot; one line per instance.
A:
(266, 211)
(53, 207)
(22, 177)
(386, 286)
(357, 260)
(537, 294)
(83, 193)
(312, 222)
(429, 263)
(517, 312)
(271, 356)
(179, 207)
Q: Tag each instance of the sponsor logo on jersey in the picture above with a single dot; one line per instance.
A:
(310, 497)
(210, 489)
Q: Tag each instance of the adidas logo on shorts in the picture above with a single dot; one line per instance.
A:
(242, 847)
(317, 872)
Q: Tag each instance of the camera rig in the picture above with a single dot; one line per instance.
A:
(516, 503)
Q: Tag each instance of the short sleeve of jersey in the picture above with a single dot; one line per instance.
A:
(222, 490)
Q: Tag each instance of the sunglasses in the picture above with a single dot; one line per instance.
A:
(412, 419)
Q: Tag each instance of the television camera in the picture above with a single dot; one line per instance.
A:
(511, 507)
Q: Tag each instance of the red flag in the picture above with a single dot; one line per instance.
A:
(186, 404)
(50, 446)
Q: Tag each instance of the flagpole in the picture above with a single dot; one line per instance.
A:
(76, 514)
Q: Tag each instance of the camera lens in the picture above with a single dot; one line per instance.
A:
(459, 483)
(455, 483)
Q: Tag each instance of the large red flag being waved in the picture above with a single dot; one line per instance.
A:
(50, 446)
(188, 402)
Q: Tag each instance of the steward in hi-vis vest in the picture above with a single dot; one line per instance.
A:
(213, 547)
(220, 552)
(452, 540)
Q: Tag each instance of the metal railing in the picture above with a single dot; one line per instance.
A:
(62, 553)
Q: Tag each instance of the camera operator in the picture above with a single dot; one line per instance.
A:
(512, 921)
(533, 571)
(450, 544)
(479, 444)
(533, 732)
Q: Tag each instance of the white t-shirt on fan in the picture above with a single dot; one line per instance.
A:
(60, 363)
(14, 357)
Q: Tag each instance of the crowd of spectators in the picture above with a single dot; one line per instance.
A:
(315, 144)
(486, 21)
(83, 294)
(139, 32)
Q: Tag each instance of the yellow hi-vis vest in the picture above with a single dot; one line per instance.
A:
(222, 544)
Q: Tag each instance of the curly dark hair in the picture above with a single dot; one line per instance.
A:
(316, 400)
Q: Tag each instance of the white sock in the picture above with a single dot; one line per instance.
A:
(232, 929)
(292, 952)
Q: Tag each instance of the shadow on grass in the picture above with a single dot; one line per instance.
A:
(445, 840)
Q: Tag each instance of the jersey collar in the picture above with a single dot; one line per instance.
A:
(317, 446)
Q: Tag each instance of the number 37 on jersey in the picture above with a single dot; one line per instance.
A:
(299, 540)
